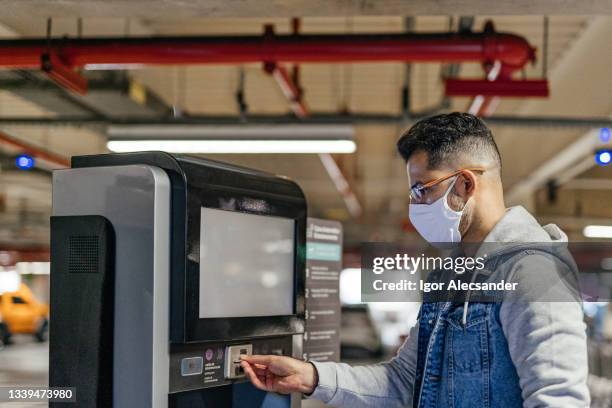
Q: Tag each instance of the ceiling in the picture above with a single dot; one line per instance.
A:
(285, 8)
(578, 61)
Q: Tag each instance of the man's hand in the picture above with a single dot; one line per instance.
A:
(280, 374)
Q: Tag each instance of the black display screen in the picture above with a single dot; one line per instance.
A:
(250, 259)
(229, 205)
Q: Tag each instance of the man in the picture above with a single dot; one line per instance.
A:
(504, 354)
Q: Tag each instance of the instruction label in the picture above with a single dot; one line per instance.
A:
(323, 266)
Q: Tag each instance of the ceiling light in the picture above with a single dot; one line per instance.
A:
(597, 231)
(9, 281)
(603, 157)
(194, 138)
(105, 67)
(248, 131)
(24, 162)
(233, 146)
(350, 286)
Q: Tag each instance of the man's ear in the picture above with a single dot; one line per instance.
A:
(466, 184)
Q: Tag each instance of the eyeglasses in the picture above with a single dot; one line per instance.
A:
(419, 190)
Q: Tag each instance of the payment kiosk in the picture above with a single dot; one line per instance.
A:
(164, 269)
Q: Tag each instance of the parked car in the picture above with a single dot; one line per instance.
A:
(22, 313)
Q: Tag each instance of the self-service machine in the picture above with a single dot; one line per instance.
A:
(164, 270)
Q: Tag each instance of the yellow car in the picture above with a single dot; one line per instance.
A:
(22, 313)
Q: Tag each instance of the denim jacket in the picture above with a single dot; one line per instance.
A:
(473, 354)
(464, 365)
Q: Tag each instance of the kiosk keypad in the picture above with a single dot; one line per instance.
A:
(221, 361)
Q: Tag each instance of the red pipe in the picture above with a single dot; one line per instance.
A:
(63, 75)
(511, 50)
(501, 87)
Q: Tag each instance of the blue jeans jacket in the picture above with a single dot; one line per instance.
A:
(464, 366)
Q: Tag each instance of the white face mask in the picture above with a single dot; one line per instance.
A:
(437, 223)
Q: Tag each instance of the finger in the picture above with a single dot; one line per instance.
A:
(258, 359)
(250, 374)
(255, 380)
(261, 372)
(270, 380)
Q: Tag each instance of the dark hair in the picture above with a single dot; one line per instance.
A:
(444, 137)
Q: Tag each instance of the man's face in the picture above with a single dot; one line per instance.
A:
(461, 191)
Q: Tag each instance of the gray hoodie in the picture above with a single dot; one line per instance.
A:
(546, 340)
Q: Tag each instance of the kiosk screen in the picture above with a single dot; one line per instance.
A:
(246, 264)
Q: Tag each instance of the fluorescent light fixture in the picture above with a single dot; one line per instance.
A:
(597, 231)
(33, 268)
(9, 281)
(233, 146)
(104, 67)
(350, 286)
(247, 131)
(252, 138)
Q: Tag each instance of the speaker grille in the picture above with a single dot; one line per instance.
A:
(83, 254)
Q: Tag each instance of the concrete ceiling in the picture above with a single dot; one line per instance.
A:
(285, 8)
(578, 61)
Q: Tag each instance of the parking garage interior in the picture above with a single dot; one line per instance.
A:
(76, 77)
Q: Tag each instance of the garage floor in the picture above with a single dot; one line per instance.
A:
(25, 362)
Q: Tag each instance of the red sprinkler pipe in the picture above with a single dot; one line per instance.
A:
(63, 75)
(500, 87)
(512, 51)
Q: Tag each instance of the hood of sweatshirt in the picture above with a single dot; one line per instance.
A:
(518, 230)
(519, 226)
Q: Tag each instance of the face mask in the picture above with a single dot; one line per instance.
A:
(437, 223)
